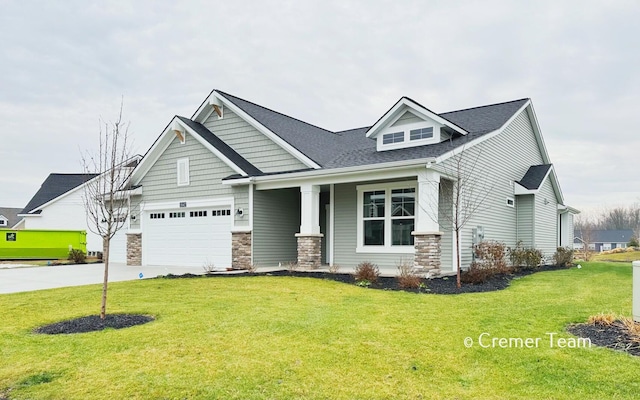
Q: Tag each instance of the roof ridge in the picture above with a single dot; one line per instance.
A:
(486, 105)
(274, 111)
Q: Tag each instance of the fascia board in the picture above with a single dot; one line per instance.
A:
(338, 175)
(268, 133)
(536, 130)
(518, 189)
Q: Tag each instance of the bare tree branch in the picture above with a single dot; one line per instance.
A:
(105, 198)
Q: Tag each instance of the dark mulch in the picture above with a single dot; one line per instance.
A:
(443, 285)
(93, 323)
(613, 336)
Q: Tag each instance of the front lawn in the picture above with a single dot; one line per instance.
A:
(291, 338)
(627, 256)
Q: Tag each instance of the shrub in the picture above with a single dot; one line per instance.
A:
(477, 273)
(252, 268)
(77, 256)
(407, 279)
(525, 257)
(366, 271)
(602, 319)
(491, 255)
(632, 328)
(334, 268)
(291, 266)
(633, 242)
(563, 257)
(208, 267)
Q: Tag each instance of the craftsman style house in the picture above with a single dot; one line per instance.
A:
(239, 184)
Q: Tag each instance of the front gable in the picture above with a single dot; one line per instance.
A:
(183, 131)
(408, 124)
(218, 111)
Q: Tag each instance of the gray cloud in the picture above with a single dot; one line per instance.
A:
(337, 64)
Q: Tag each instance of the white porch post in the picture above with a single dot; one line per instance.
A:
(427, 235)
(310, 209)
(309, 239)
(428, 197)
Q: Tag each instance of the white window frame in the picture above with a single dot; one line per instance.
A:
(3, 222)
(387, 247)
(407, 142)
(183, 164)
(512, 200)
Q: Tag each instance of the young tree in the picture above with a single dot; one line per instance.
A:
(585, 228)
(104, 196)
(469, 191)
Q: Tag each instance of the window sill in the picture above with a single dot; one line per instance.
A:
(386, 249)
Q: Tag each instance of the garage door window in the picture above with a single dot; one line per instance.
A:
(156, 215)
(194, 214)
(177, 214)
(220, 213)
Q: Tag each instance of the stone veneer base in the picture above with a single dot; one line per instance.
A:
(309, 250)
(134, 248)
(240, 250)
(427, 251)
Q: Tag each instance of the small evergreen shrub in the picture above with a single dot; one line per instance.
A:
(77, 256)
(563, 257)
(633, 242)
(366, 271)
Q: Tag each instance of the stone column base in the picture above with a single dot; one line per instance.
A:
(427, 251)
(134, 248)
(241, 250)
(309, 250)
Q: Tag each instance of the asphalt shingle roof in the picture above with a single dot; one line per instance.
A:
(352, 148)
(534, 176)
(224, 148)
(11, 214)
(54, 186)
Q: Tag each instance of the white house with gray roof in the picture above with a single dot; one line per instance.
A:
(239, 184)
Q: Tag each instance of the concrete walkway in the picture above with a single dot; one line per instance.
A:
(25, 279)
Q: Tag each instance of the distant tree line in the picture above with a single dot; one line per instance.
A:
(612, 218)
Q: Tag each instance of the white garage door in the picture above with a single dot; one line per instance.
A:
(187, 237)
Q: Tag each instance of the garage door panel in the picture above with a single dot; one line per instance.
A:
(192, 240)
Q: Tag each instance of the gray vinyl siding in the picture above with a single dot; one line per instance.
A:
(276, 220)
(251, 144)
(345, 232)
(407, 118)
(526, 217)
(494, 165)
(134, 211)
(546, 229)
(444, 216)
(206, 172)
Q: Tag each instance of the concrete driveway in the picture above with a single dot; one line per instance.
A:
(25, 279)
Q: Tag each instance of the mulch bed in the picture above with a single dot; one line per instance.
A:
(93, 323)
(442, 285)
(613, 336)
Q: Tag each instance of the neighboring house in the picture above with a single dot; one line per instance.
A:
(603, 239)
(239, 184)
(9, 217)
(58, 205)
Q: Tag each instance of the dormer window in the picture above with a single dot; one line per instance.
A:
(422, 133)
(390, 138)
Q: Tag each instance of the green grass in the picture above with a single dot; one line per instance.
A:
(618, 257)
(293, 338)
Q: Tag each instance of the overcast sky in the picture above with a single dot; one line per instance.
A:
(336, 64)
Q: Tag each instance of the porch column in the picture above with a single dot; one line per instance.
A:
(427, 233)
(309, 238)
